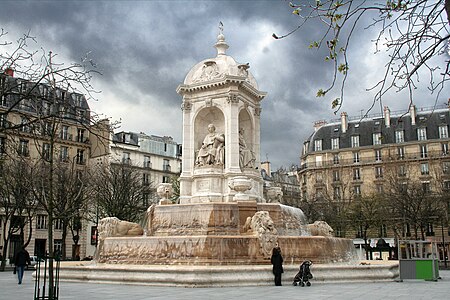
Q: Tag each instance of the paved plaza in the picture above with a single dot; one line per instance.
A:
(9, 289)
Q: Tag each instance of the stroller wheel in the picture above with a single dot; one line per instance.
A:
(308, 283)
(302, 284)
(294, 283)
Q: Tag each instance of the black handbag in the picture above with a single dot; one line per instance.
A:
(14, 271)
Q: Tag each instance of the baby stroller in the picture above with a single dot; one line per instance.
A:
(304, 275)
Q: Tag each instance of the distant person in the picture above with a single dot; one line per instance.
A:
(21, 259)
(277, 262)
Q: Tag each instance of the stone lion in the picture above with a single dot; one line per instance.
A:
(112, 226)
(261, 224)
(320, 228)
(164, 190)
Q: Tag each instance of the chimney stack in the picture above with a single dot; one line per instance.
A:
(344, 122)
(387, 116)
(412, 112)
(318, 124)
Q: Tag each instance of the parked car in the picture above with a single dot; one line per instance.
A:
(33, 261)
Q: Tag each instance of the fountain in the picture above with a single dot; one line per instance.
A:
(223, 230)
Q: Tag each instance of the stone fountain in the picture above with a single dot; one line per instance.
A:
(222, 230)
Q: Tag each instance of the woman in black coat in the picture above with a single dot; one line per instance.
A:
(277, 262)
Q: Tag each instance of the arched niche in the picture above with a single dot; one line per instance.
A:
(246, 123)
(206, 116)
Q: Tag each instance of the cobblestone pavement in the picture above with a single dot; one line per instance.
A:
(410, 289)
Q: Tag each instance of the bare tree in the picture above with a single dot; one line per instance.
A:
(38, 97)
(17, 203)
(119, 191)
(412, 32)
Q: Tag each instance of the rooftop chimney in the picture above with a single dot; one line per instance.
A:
(265, 165)
(344, 122)
(387, 116)
(412, 112)
(318, 124)
(9, 72)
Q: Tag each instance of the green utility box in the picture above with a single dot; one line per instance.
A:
(418, 260)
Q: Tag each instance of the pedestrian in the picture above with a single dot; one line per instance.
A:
(277, 262)
(21, 259)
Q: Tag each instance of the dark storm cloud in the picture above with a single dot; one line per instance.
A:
(144, 49)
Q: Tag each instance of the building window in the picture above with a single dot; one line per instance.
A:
(426, 186)
(319, 177)
(166, 165)
(357, 190)
(402, 170)
(46, 151)
(335, 143)
(356, 157)
(41, 222)
(57, 247)
(336, 159)
(379, 188)
(64, 154)
(80, 157)
(145, 199)
(400, 152)
(376, 138)
(2, 145)
(166, 179)
(424, 170)
(24, 125)
(147, 162)
(80, 135)
(58, 224)
(318, 160)
(355, 141)
(23, 148)
(423, 151)
(378, 155)
(64, 132)
(336, 175)
(378, 172)
(356, 174)
(3, 121)
(399, 136)
(337, 193)
(145, 178)
(446, 185)
(443, 132)
(444, 147)
(318, 145)
(319, 194)
(126, 158)
(422, 134)
(446, 167)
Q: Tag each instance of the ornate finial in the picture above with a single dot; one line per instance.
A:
(221, 44)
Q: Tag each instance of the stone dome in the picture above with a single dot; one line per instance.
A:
(214, 69)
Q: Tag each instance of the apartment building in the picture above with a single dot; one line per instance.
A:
(39, 123)
(352, 156)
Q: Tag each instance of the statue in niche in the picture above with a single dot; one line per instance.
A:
(212, 150)
(246, 156)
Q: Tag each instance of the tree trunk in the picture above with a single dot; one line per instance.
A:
(447, 9)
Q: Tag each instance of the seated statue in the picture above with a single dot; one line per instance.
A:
(246, 156)
(212, 150)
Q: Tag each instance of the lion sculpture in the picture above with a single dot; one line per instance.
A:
(112, 226)
(262, 225)
(320, 228)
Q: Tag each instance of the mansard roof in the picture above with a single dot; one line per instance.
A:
(365, 128)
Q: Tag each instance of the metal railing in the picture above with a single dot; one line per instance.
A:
(41, 285)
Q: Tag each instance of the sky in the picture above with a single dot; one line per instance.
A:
(144, 50)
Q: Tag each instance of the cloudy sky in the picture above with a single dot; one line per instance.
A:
(144, 50)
